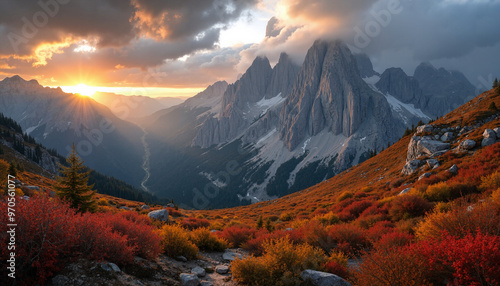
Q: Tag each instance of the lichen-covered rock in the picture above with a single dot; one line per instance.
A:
(467, 145)
(159, 215)
(411, 166)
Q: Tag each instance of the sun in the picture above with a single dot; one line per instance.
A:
(84, 89)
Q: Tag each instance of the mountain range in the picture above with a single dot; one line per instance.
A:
(274, 131)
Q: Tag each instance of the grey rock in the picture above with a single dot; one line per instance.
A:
(206, 283)
(424, 128)
(289, 229)
(188, 279)
(432, 163)
(497, 131)
(170, 205)
(222, 269)
(425, 175)
(200, 272)
(60, 280)
(487, 142)
(145, 207)
(181, 258)
(424, 146)
(466, 145)
(436, 137)
(488, 133)
(125, 208)
(231, 256)
(453, 169)
(318, 278)
(110, 267)
(159, 215)
(447, 136)
(411, 166)
(404, 191)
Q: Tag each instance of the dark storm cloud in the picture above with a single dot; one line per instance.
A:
(180, 18)
(174, 25)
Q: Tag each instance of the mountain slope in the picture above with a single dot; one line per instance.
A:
(57, 120)
(380, 177)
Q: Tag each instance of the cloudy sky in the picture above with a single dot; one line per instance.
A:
(182, 46)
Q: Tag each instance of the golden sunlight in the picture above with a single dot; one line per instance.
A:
(81, 89)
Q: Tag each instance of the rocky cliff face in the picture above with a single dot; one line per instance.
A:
(248, 99)
(329, 93)
(444, 90)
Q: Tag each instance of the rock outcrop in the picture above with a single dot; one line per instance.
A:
(318, 278)
(365, 66)
(161, 215)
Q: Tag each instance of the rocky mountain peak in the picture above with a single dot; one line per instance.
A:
(18, 82)
(284, 74)
(396, 82)
(328, 93)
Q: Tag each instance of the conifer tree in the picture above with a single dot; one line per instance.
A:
(12, 169)
(495, 83)
(260, 222)
(73, 185)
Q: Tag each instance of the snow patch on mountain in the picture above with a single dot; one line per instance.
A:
(403, 109)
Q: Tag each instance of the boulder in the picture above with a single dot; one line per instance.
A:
(125, 208)
(200, 272)
(181, 258)
(433, 163)
(467, 145)
(222, 269)
(488, 133)
(170, 205)
(487, 142)
(497, 131)
(411, 166)
(231, 256)
(110, 267)
(318, 278)
(448, 136)
(188, 279)
(206, 283)
(424, 128)
(159, 215)
(145, 207)
(425, 146)
(453, 169)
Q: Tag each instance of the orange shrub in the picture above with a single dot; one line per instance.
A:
(281, 264)
(175, 242)
(491, 182)
(205, 240)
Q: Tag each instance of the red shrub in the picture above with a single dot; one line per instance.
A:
(315, 234)
(471, 260)
(194, 223)
(393, 239)
(353, 211)
(408, 206)
(97, 241)
(237, 235)
(378, 230)
(337, 269)
(140, 234)
(44, 236)
(256, 245)
(348, 238)
(173, 212)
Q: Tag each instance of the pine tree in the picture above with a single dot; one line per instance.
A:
(12, 169)
(73, 186)
(495, 83)
(260, 222)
